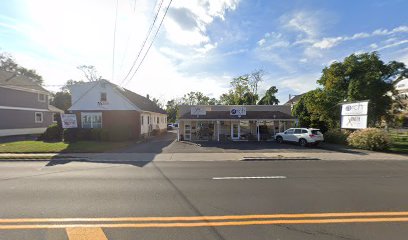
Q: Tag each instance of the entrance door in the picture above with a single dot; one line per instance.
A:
(187, 132)
(235, 130)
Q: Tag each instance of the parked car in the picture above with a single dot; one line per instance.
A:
(169, 126)
(303, 136)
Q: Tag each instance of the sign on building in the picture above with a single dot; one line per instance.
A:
(198, 111)
(354, 122)
(238, 111)
(69, 121)
(354, 115)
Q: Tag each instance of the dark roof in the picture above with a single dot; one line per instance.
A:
(249, 115)
(12, 79)
(141, 102)
(295, 99)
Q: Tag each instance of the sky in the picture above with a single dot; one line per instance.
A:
(202, 44)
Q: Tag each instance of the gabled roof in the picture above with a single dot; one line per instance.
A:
(294, 100)
(141, 102)
(11, 79)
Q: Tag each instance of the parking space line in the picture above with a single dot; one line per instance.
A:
(257, 177)
(80, 233)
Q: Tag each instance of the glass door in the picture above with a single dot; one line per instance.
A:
(187, 132)
(235, 129)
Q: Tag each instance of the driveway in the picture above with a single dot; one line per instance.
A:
(167, 144)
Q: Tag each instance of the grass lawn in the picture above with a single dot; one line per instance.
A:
(400, 144)
(60, 147)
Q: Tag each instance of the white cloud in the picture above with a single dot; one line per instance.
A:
(373, 45)
(261, 42)
(326, 43)
(393, 45)
(304, 22)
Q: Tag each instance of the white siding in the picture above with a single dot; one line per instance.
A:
(162, 125)
(87, 97)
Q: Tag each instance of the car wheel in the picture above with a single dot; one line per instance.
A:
(302, 142)
(279, 139)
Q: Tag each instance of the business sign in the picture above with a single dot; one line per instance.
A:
(357, 108)
(198, 111)
(354, 122)
(238, 111)
(69, 121)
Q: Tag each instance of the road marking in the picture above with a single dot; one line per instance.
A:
(260, 177)
(207, 218)
(80, 233)
(206, 224)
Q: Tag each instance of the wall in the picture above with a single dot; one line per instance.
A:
(19, 98)
(281, 108)
(87, 95)
(16, 122)
(162, 125)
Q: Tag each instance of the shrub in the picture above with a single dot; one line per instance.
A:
(53, 133)
(70, 134)
(336, 136)
(370, 138)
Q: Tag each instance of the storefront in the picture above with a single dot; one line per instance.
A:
(233, 123)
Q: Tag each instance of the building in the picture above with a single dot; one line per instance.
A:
(102, 104)
(233, 123)
(24, 106)
(402, 91)
(293, 99)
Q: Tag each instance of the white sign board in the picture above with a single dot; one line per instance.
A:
(354, 122)
(357, 108)
(238, 111)
(69, 121)
(198, 111)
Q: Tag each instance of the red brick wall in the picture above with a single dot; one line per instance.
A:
(129, 119)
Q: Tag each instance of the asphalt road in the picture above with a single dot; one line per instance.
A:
(123, 193)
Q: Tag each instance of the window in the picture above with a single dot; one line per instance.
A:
(148, 119)
(91, 119)
(104, 97)
(142, 120)
(289, 131)
(54, 117)
(298, 131)
(41, 97)
(38, 117)
(304, 131)
(158, 119)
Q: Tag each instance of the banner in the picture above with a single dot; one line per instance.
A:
(69, 121)
(357, 108)
(354, 122)
(239, 111)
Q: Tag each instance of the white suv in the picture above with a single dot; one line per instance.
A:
(303, 136)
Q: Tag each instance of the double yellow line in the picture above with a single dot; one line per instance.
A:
(202, 221)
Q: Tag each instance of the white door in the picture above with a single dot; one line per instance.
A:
(187, 132)
(235, 130)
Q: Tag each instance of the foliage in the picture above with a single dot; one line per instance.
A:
(157, 102)
(53, 133)
(61, 100)
(336, 136)
(70, 83)
(89, 72)
(197, 98)
(269, 98)
(172, 108)
(370, 138)
(358, 77)
(8, 63)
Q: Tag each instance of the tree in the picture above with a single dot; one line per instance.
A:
(157, 102)
(7, 63)
(172, 108)
(70, 83)
(364, 77)
(90, 73)
(61, 100)
(197, 98)
(269, 98)
(255, 78)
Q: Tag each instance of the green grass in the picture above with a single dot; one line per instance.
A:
(400, 142)
(60, 147)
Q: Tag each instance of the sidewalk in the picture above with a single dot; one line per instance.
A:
(147, 157)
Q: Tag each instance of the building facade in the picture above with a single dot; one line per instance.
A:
(101, 104)
(24, 106)
(233, 123)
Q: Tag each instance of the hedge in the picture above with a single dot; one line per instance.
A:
(370, 138)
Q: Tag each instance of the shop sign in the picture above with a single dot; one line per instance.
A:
(357, 108)
(69, 121)
(354, 122)
(198, 111)
(238, 111)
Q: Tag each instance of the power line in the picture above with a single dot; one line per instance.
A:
(151, 43)
(114, 40)
(144, 42)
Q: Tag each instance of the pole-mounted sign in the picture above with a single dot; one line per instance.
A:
(354, 115)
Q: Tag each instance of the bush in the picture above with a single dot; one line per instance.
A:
(336, 136)
(370, 138)
(53, 133)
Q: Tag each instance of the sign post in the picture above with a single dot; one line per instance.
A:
(354, 115)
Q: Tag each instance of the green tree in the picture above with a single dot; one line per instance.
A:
(90, 72)
(197, 98)
(269, 98)
(157, 102)
(172, 108)
(8, 63)
(364, 77)
(61, 100)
